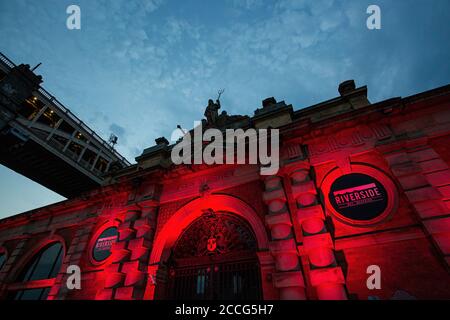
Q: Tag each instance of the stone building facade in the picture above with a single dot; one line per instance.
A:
(362, 188)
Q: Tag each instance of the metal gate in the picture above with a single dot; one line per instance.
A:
(219, 281)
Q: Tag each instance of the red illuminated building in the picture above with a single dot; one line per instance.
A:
(360, 184)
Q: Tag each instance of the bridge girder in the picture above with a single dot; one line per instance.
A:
(43, 140)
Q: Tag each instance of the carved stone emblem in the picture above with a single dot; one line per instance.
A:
(215, 233)
(212, 244)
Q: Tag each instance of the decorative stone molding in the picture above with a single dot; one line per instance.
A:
(347, 141)
(317, 244)
(289, 278)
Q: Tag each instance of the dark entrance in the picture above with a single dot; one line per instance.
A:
(215, 258)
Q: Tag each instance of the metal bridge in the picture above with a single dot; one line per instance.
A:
(42, 140)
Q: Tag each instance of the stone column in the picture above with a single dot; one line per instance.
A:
(12, 259)
(75, 252)
(157, 282)
(288, 277)
(126, 276)
(267, 266)
(425, 179)
(325, 275)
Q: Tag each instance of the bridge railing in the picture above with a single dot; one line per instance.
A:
(69, 114)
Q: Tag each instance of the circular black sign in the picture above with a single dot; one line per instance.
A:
(103, 244)
(357, 196)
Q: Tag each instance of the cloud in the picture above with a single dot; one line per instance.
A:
(246, 4)
(153, 64)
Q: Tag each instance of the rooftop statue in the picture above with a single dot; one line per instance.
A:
(212, 110)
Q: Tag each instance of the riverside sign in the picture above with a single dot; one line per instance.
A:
(358, 197)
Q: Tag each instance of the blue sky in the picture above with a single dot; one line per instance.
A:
(138, 68)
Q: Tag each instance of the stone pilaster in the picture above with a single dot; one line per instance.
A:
(267, 267)
(318, 246)
(126, 276)
(157, 282)
(11, 261)
(75, 252)
(288, 278)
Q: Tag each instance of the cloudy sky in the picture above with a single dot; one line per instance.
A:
(138, 68)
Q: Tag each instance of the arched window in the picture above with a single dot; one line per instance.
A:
(2, 259)
(36, 279)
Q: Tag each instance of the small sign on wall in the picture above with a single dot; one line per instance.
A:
(357, 196)
(364, 197)
(102, 247)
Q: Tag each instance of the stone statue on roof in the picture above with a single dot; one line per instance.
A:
(212, 110)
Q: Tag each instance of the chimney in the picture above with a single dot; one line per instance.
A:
(347, 87)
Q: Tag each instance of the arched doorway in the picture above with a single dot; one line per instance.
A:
(215, 258)
(168, 236)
